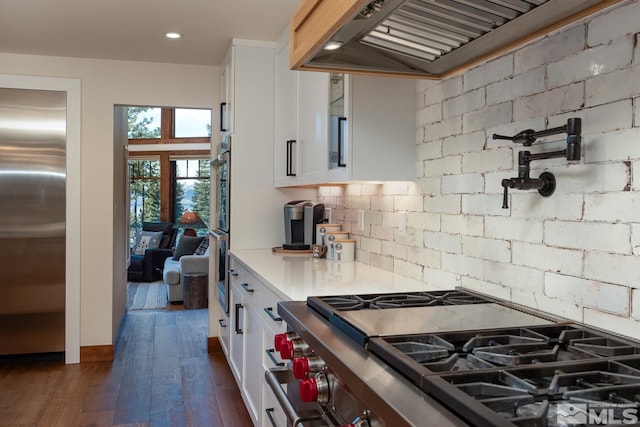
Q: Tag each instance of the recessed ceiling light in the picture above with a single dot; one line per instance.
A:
(333, 45)
(172, 35)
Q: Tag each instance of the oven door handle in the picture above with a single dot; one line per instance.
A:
(275, 378)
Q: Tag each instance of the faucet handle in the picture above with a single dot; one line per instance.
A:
(506, 184)
(526, 137)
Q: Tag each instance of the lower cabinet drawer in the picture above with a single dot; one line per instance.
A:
(273, 415)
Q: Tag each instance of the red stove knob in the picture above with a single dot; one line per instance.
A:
(304, 366)
(293, 348)
(278, 339)
(315, 389)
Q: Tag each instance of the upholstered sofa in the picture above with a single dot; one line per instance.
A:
(175, 268)
(147, 266)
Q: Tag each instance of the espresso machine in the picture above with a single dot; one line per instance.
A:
(300, 219)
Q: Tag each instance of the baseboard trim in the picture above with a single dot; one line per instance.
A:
(213, 345)
(96, 353)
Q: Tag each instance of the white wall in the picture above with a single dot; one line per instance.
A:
(105, 84)
(574, 254)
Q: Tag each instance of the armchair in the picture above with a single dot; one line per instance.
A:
(148, 267)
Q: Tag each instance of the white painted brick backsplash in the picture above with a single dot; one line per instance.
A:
(493, 71)
(486, 288)
(465, 143)
(382, 203)
(514, 229)
(407, 269)
(469, 225)
(399, 251)
(429, 150)
(592, 62)
(555, 101)
(430, 114)
(468, 101)
(574, 254)
(515, 276)
(612, 268)
(621, 84)
(530, 204)
(595, 236)
(467, 183)
(483, 204)
(565, 261)
(381, 232)
(445, 166)
(601, 118)
(370, 245)
(614, 24)
(618, 207)
(429, 186)
(463, 265)
(424, 256)
(408, 203)
(635, 303)
(547, 304)
(553, 48)
(589, 293)
(487, 160)
(491, 116)
(489, 249)
(622, 325)
(424, 221)
(589, 178)
(521, 85)
(439, 278)
(635, 239)
(612, 146)
(444, 242)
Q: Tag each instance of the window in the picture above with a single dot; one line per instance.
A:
(166, 182)
(144, 201)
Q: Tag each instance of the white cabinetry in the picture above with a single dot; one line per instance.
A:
(301, 103)
(254, 323)
(226, 93)
(375, 124)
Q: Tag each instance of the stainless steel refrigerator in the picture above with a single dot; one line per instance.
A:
(32, 221)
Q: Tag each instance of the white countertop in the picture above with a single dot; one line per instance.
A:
(295, 277)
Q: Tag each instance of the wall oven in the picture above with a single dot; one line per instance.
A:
(221, 171)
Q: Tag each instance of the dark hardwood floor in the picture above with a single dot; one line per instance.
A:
(161, 376)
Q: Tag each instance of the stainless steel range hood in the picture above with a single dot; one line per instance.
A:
(429, 38)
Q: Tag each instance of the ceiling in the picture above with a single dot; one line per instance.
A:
(134, 29)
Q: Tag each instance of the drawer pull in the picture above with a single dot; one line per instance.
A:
(269, 311)
(269, 411)
(270, 352)
(238, 329)
(221, 323)
(246, 287)
(233, 273)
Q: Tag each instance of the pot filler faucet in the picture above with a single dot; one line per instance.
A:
(546, 182)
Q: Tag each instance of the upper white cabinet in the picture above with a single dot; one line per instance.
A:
(338, 128)
(301, 103)
(226, 93)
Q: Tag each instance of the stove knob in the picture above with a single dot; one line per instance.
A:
(304, 366)
(315, 389)
(278, 339)
(293, 348)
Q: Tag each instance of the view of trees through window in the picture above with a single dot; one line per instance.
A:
(162, 190)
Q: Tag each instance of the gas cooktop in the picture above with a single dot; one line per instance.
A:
(493, 364)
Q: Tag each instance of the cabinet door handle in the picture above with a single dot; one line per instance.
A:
(290, 157)
(341, 142)
(270, 352)
(232, 273)
(271, 420)
(247, 289)
(269, 311)
(223, 107)
(237, 328)
(221, 323)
